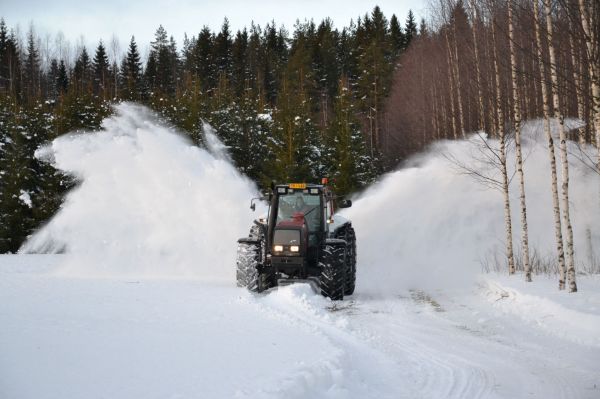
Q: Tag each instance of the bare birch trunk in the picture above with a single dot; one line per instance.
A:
(480, 108)
(451, 80)
(519, 156)
(502, 134)
(458, 92)
(551, 153)
(577, 81)
(563, 154)
(592, 45)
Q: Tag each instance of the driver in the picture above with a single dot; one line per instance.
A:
(300, 205)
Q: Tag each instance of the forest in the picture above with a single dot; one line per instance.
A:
(288, 105)
(350, 103)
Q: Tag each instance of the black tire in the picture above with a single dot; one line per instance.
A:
(347, 234)
(333, 270)
(246, 274)
(350, 261)
(249, 263)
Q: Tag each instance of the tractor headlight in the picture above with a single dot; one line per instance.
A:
(278, 248)
(294, 248)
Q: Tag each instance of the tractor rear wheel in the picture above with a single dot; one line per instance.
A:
(333, 269)
(347, 234)
(350, 239)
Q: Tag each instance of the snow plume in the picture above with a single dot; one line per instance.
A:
(428, 225)
(148, 203)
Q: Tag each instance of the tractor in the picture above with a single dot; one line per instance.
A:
(301, 239)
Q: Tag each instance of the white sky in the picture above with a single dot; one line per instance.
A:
(102, 19)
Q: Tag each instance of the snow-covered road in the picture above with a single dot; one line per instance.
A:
(67, 337)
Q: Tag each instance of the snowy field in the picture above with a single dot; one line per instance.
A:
(144, 305)
(72, 337)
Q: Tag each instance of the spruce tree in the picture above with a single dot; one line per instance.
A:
(100, 68)
(163, 55)
(204, 59)
(4, 79)
(222, 49)
(296, 144)
(13, 64)
(62, 79)
(131, 73)
(347, 52)
(32, 68)
(374, 81)
(349, 164)
(82, 72)
(325, 60)
(423, 31)
(239, 51)
(410, 29)
(52, 78)
(396, 35)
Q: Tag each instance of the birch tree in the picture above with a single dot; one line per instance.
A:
(551, 151)
(519, 156)
(502, 135)
(566, 219)
(474, 24)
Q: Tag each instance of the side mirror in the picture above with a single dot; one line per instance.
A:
(252, 205)
(345, 204)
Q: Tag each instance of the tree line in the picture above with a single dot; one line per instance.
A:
(288, 105)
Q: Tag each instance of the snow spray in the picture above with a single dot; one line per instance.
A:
(148, 202)
(431, 224)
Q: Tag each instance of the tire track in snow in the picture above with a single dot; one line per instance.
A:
(401, 368)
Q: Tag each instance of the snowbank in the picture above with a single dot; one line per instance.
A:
(568, 316)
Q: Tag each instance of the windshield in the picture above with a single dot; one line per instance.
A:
(300, 201)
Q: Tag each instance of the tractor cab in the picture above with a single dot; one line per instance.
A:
(297, 226)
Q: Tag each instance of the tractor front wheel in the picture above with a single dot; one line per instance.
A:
(248, 272)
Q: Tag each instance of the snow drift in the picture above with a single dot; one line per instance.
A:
(429, 225)
(148, 202)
